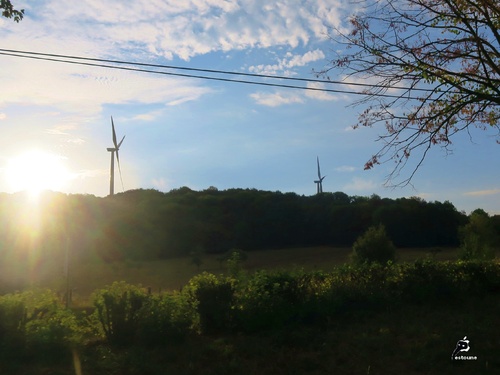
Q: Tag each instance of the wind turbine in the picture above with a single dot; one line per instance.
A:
(113, 150)
(319, 182)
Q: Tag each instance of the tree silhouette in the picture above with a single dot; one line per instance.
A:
(8, 11)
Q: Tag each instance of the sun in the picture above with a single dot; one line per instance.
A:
(35, 171)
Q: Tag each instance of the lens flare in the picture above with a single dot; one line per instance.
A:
(35, 171)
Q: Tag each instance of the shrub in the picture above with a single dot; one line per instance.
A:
(473, 247)
(36, 322)
(212, 297)
(361, 287)
(12, 324)
(53, 331)
(373, 246)
(164, 319)
(427, 281)
(117, 309)
(234, 260)
(478, 237)
(275, 299)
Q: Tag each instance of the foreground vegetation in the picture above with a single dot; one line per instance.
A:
(394, 318)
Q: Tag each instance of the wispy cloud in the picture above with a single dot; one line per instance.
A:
(360, 184)
(85, 92)
(480, 193)
(160, 183)
(60, 129)
(345, 168)
(322, 95)
(77, 141)
(149, 116)
(148, 29)
(275, 99)
(189, 28)
(290, 61)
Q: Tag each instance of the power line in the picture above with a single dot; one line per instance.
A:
(102, 63)
(205, 70)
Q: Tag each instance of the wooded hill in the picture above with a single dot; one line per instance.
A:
(148, 224)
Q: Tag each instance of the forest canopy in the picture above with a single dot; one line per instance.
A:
(148, 224)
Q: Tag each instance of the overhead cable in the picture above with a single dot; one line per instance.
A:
(140, 67)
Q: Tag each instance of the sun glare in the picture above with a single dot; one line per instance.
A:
(35, 171)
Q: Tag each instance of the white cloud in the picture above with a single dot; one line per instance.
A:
(360, 184)
(276, 99)
(290, 61)
(77, 141)
(191, 27)
(150, 116)
(3, 116)
(60, 129)
(85, 90)
(480, 193)
(143, 30)
(160, 184)
(345, 168)
(322, 95)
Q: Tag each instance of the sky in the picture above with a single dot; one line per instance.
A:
(55, 122)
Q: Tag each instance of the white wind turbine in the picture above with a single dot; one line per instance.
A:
(319, 181)
(114, 150)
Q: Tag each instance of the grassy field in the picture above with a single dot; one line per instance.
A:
(173, 274)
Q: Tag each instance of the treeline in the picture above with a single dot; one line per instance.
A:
(148, 224)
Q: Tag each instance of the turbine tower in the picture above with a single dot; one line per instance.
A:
(319, 182)
(114, 150)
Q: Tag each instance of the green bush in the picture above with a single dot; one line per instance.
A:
(275, 299)
(234, 260)
(473, 247)
(54, 330)
(427, 281)
(373, 246)
(165, 319)
(212, 297)
(12, 324)
(36, 322)
(118, 310)
(478, 238)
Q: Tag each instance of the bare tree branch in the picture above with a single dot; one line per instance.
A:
(446, 53)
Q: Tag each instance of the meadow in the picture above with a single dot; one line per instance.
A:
(172, 274)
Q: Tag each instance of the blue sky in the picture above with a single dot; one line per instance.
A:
(199, 133)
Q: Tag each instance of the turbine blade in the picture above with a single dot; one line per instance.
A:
(119, 144)
(119, 168)
(319, 172)
(114, 133)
